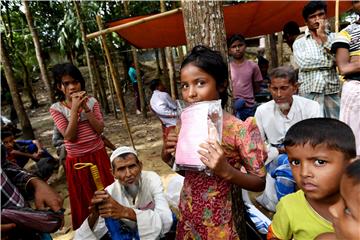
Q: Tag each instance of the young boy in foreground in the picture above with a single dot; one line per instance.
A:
(319, 150)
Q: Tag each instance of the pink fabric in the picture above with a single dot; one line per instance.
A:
(243, 77)
(205, 201)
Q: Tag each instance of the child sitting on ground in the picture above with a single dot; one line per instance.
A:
(319, 150)
(21, 151)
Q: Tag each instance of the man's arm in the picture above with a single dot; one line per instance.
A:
(45, 196)
(306, 59)
(346, 64)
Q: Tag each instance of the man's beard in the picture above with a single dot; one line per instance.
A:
(132, 189)
(284, 106)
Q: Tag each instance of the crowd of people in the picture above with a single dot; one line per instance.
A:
(301, 149)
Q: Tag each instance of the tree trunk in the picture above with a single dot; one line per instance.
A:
(158, 70)
(83, 37)
(18, 104)
(204, 25)
(44, 75)
(165, 71)
(27, 90)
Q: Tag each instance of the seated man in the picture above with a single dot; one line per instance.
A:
(20, 151)
(135, 199)
(274, 118)
(163, 106)
(16, 185)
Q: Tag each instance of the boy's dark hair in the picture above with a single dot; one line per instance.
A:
(291, 28)
(235, 37)
(333, 133)
(154, 84)
(213, 64)
(312, 7)
(61, 70)
(5, 134)
(353, 171)
(283, 72)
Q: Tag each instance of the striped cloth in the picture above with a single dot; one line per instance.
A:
(87, 139)
(317, 73)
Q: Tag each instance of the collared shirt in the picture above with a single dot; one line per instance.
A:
(317, 73)
(164, 107)
(13, 183)
(153, 215)
(273, 124)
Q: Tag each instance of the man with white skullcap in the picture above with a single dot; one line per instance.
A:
(136, 199)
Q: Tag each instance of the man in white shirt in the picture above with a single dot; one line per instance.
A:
(275, 117)
(136, 199)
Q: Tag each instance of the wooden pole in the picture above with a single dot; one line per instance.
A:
(83, 37)
(139, 82)
(337, 16)
(133, 23)
(116, 83)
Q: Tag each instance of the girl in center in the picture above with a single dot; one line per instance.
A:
(206, 201)
(79, 120)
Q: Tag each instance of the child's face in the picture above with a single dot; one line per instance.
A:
(9, 142)
(237, 49)
(317, 170)
(197, 85)
(69, 86)
(346, 211)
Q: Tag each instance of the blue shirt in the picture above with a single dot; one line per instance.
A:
(132, 75)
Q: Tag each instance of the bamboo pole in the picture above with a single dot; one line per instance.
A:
(109, 82)
(116, 83)
(140, 85)
(337, 16)
(133, 23)
(83, 38)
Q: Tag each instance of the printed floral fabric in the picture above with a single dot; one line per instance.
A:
(205, 201)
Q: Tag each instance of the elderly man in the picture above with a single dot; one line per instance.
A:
(275, 117)
(317, 74)
(135, 199)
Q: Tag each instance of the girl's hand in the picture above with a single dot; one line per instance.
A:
(170, 142)
(213, 156)
(77, 100)
(169, 147)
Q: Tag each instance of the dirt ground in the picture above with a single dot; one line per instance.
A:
(146, 133)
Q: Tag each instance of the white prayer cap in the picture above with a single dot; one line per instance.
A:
(122, 150)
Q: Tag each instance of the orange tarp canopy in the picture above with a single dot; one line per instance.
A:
(249, 19)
